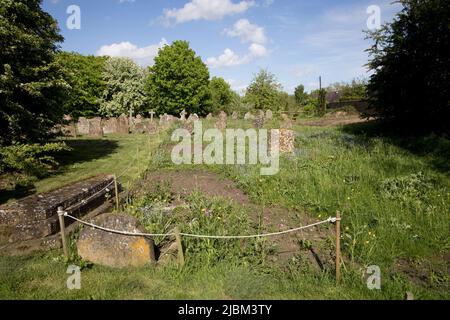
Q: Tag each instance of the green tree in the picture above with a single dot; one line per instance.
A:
(124, 91)
(84, 74)
(179, 80)
(221, 95)
(301, 96)
(263, 91)
(286, 102)
(410, 59)
(32, 85)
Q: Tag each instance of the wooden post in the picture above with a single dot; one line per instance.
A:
(180, 247)
(338, 247)
(116, 192)
(62, 227)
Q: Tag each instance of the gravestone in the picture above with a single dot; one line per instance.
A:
(151, 127)
(287, 122)
(193, 118)
(110, 125)
(209, 116)
(69, 129)
(258, 122)
(138, 119)
(287, 141)
(122, 124)
(152, 114)
(95, 127)
(83, 125)
(249, 116)
(183, 115)
(139, 128)
(269, 115)
(221, 124)
(235, 115)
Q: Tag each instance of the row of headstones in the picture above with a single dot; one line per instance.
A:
(122, 124)
(97, 127)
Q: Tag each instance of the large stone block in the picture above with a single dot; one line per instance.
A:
(116, 250)
(35, 216)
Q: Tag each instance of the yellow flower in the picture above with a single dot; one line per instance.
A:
(347, 228)
(367, 242)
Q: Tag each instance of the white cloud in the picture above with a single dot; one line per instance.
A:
(143, 56)
(247, 32)
(229, 58)
(303, 71)
(206, 10)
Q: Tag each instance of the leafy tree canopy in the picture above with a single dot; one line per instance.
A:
(301, 97)
(84, 74)
(221, 95)
(263, 91)
(124, 88)
(179, 80)
(410, 59)
(32, 85)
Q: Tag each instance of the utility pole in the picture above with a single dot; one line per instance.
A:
(320, 82)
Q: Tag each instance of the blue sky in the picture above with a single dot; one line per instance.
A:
(297, 40)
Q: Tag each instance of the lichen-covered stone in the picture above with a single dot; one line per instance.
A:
(115, 250)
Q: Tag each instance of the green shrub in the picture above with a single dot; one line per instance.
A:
(309, 109)
(30, 159)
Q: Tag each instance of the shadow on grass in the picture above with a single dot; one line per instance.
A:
(435, 149)
(83, 150)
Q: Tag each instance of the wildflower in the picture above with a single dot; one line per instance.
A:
(367, 242)
(347, 228)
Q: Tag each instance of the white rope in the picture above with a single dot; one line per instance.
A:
(126, 233)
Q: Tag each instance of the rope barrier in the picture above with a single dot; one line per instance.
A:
(126, 233)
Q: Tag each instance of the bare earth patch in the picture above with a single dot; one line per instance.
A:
(275, 218)
(334, 119)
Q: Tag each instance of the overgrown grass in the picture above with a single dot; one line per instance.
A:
(394, 203)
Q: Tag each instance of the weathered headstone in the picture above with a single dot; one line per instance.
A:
(222, 122)
(287, 123)
(258, 122)
(193, 117)
(249, 116)
(139, 128)
(114, 250)
(269, 114)
(122, 124)
(151, 127)
(287, 141)
(110, 125)
(183, 115)
(138, 119)
(83, 125)
(95, 127)
(69, 129)
(209, 116)
(152, 114)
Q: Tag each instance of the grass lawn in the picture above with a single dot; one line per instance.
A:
(394, 195)
(124, 155)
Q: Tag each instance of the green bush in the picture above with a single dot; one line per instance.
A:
(30, 159)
